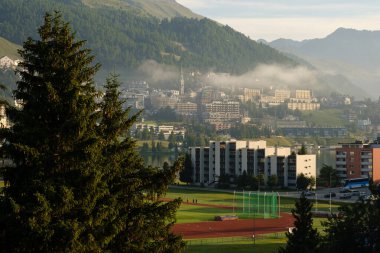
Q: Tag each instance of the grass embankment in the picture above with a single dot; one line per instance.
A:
(279, 141)
(269, 244)
(326, 117)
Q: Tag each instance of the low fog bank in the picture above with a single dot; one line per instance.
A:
(263, 76)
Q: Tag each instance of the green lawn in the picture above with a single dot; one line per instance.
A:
(279, 141)
(330, 117)
(270, 244)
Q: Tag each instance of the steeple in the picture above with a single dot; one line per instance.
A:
(182, 84)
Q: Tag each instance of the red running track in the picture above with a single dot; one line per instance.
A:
(211, 229)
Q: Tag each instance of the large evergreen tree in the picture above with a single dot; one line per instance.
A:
(304, 238)
(75, 184)
(139, 221)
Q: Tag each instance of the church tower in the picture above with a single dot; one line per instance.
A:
(182, 84)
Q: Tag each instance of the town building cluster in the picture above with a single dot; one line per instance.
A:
(211, 105)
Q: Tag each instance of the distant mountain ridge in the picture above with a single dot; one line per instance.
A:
(352, 53)
(155, 8)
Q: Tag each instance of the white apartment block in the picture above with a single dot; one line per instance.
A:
(250, 94)
(221, 111)
(303, 94)
(282, 95)
(304, 106)
(254, 157)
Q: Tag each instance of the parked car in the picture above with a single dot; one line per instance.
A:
(344, 191)
(309, 193)
(333, 195)
(345, 196)
(355, 193)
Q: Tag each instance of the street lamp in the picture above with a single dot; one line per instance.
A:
(330, 201)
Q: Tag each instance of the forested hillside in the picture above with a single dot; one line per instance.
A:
(156, 8)
(9, 49)
(122, 38)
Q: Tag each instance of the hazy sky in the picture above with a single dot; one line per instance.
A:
(296, 19)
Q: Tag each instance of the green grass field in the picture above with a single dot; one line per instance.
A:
(269, 244)
(331, 117)
(189, 213)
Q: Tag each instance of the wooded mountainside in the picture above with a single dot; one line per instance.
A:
(122, 38)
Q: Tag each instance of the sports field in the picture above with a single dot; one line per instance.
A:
(226, 203)
(202, 234)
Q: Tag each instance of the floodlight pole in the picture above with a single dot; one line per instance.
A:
(316, 202)
(233, 204)
(316, 196)
(330, 201)
(265, 195)
(243, 202)
(279, 204)
(249, 204)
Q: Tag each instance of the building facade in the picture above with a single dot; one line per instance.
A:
(355, 160)
(233, 158)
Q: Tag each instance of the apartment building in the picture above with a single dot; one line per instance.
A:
(251, 94)
(304, 105)
(358, 159)
(282, 95)
(221, 111)
(186, 108)
(303, 94)
(254, 157)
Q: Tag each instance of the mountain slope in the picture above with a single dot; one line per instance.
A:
(156, 8)
(122, 38)
(9, 49)
(349, 52)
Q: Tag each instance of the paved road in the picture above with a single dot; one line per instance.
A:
(320, 193)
